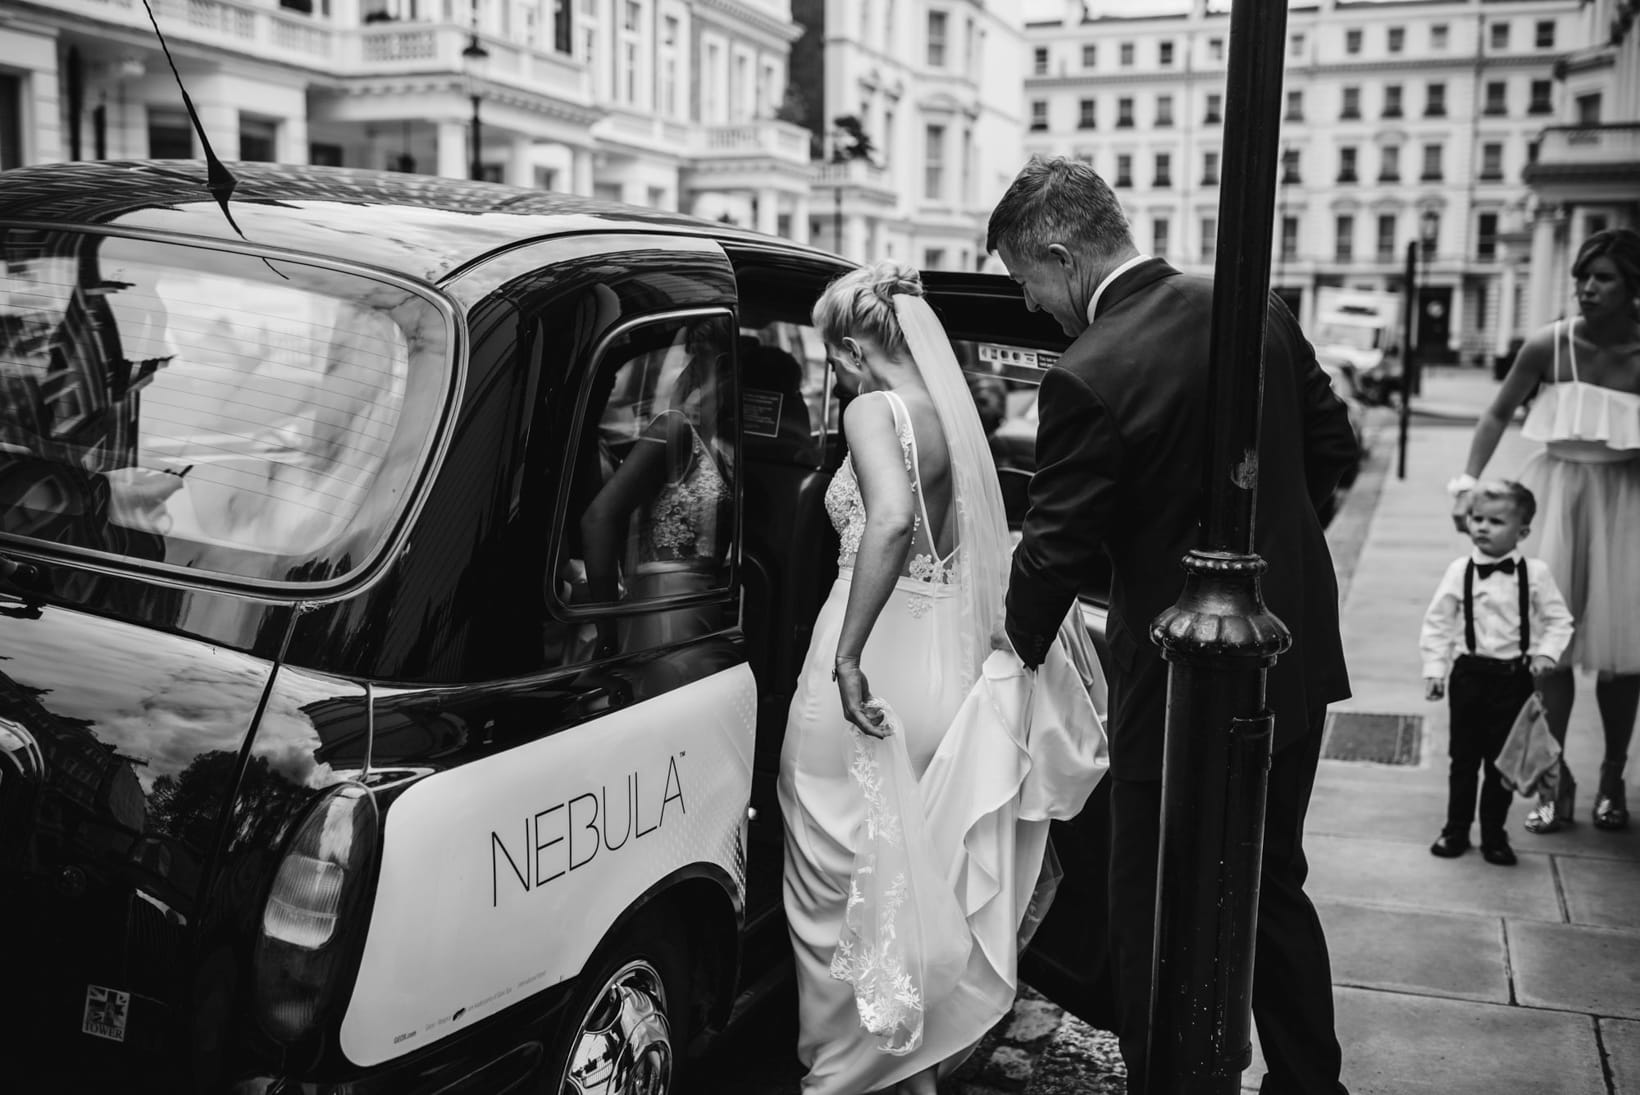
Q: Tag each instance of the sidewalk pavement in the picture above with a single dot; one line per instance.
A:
(1450, 976)
(1456, 976)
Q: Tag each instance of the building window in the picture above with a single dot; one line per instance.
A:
(1040, 61)
(1389, 163)
(933, 258)
(1497, 97)
(1164, 54)
(1295, 44)
(1588, 109)
(1435, 100)
(1500, 35)
(1083, 156)
(1386, 237)
(1352, 41)
(1124, 54)
(1210, 239)
(1486, 235)
(1432, 164)
(1346, 164)
(563, 36)
(1164, 171)
(1545, 36)
(1039, 115)
(1090, 56)
(1344, 237)
(1392, 100)
(1159, 228)
(170, 137)
(1087, 114)
(258, 140)
(1289, 166)
(1215, 49)
(1215, 108)
(330, 155)
(1397, 39)
(1492, 162)
(1164, 111)
(1352, 104)
(1437, 36)
(669, 67)
(1124, 113)
(1124, 169)
(1295, 107)
(1210, 169)
(1289, 237)
(934, 163)
(937, 22)
(1542, 98)
(631, 26)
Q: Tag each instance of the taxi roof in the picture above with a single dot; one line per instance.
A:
(422, 226)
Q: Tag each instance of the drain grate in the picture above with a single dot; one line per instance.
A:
(1379, 739)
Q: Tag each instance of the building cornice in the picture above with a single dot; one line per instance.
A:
(582, 114)
(741, 14)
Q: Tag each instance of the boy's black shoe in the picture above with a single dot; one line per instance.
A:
(1449, 847)
(1499, 854)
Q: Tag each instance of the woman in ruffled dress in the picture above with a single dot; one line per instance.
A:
(1586, 371)
(891, 997)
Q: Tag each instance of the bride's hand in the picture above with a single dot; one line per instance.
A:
(855, 694)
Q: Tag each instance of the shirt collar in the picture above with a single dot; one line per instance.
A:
(1478, 557)
(1093, 305)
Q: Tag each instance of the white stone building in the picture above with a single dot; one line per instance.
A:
(1587, 172)
(1400, 116)
(665, 103)
(936, 86)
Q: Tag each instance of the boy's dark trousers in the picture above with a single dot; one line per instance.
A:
(1486, 695)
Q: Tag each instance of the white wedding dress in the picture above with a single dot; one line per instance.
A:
(975, 755)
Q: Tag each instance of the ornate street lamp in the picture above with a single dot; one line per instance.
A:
(473, 57)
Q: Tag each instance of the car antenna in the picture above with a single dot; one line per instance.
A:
(218, 179)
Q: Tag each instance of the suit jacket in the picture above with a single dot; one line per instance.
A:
(1120, 453)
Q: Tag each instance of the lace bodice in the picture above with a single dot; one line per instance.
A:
(1574, 417)
(687, 516)
(847, 509)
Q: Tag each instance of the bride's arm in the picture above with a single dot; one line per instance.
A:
(879, 465)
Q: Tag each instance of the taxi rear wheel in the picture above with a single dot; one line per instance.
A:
(626, 1031)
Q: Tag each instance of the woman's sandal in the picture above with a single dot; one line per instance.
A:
(1611, 812)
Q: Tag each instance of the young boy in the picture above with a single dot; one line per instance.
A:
(1509, 622)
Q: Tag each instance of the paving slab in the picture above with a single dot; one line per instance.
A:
(1397, 873)
(1395, 808)
(1430, 954)
(1592, 970)
(1600, 892)
(1621, 1039)
(1395, 1044)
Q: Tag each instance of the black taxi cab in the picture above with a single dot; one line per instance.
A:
(390, 693)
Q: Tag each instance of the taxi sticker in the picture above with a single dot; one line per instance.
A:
(993, 354)
(106, 1012)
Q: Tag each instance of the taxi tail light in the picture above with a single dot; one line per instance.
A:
(322, 876)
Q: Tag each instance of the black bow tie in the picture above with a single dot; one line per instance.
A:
(1503, 566)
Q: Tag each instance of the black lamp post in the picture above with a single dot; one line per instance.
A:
(473, 57)
(1429, 230)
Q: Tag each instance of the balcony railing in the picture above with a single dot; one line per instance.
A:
(1590, 145)
(852, 173)
(239, 25)
(388, 49)
(782, 140)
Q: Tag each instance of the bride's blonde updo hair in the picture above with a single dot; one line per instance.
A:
(860, 304)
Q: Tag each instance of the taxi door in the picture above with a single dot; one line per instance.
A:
(1005, 349)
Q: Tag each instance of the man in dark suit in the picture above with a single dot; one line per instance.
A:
(1120, 451)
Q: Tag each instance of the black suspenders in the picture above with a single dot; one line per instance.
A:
(1525, 608)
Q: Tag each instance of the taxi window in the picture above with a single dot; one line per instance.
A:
(197, 408)
(654, 475)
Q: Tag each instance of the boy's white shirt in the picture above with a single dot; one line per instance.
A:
(1497, 614)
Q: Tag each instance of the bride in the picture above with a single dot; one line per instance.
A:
(912, 869)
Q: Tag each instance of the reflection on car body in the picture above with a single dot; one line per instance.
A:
(400, 609)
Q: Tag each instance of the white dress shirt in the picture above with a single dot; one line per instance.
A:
(1497, 614)
(1093, 305)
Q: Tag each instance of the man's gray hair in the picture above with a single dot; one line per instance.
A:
(1058, 200)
